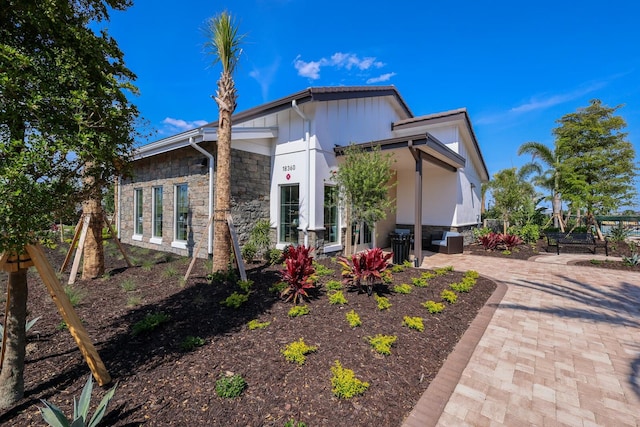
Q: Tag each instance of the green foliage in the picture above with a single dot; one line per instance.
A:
(256, 324)
(337, 298)
(169, 272)
(150, 322)
(245, 285)
(259, 236)
(413, 323)
(321, 269)
(449, 296)
(298, 310)
(190, 343)
(54, 416)
(402, 289)
(506, 252)
(344, 383)
(510, 192)
(465, 285)
(296, 351)
(619, 233)
(278, 287)
(387, 277)
(480, 231)
(249, 251)
(382, 302)
(354, 319)
(292, 423)
(222, 277)
(407, 264)
(597, 163)
(230, 386)
(529, 233)
(632, 260)
(419, 282)
(397, 268)
(472, 274)
(274, 256)
(147, 265)
(333, 285)
(235, 300)
(128, 285)
(133, 300)
(75, 295)
(382, 343)
(433, 307)
(27, 326)
(441, 271)
(364, 181)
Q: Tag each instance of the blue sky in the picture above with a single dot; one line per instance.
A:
(516, 66)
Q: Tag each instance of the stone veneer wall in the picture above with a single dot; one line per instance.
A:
(250, 183)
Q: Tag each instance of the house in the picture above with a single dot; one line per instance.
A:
(283, 155)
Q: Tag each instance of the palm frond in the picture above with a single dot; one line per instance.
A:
(224, 42)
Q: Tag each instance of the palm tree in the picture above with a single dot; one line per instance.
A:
(549, 178)
(224, 44)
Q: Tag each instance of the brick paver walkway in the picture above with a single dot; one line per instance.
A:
(562, 349)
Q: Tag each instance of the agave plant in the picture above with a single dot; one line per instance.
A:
(56, 418)
(297, 273)
(363, 270)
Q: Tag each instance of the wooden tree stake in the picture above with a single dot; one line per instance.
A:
(195, 254)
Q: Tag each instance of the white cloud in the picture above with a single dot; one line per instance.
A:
(338, 60)
(382, 78)
(179, 125)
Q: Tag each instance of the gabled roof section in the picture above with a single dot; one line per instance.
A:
(445, 117)
(328, 93)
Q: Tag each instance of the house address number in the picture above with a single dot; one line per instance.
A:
(288, 168)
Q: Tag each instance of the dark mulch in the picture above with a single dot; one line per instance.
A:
(160, 384)
(526, 252)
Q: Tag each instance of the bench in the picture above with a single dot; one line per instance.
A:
(574, 239)
(451, 242)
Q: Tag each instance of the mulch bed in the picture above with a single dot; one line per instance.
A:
(527, 252)
(161, 384)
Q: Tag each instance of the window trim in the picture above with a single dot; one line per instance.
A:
(178, 243)
(283, 243)
(138, 202)
(155, 238)
(330, 245)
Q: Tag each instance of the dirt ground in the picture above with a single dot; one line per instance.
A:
(160, 383)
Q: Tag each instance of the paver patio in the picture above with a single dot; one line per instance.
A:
(561, 349)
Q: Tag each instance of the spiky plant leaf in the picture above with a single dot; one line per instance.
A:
(101, 410)
(53, 415)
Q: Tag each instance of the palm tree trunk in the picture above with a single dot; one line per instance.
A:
(222, 238)
(12, 374)
(93, 256)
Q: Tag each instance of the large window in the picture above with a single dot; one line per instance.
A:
(137, 211)
(156, 215)
(289, 213)
(330, 214)
(181, 211)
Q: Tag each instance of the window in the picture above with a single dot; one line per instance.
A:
(156, 214)
(330, 214)
(137, 211)
(289, 213)
(181, 211)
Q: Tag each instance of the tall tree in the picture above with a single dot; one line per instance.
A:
(364, 181)
(57, 76)
(510, 192)
(597, 166)
(224, 44)
(548, 178)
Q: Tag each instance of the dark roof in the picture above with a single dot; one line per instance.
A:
(328, 93)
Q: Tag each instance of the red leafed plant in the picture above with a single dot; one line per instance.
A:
(364, 269)
(297, 273)
(490, 241)
(510, 240)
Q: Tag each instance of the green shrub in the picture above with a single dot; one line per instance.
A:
(397, 268)
(480, 232)
(472, 274)
(449, 296)
(336, 298)
(169, 272)
(413, 323)
(407, 264)
(632, 260)
(296, 351)
(255, 324)
(530, 233)
(249, 251)
(190, 343)
(402, 289)
(245, 285)
(260, 236)
(150, 322)
(147, 265)
(433, 307)
(321, 269)
(354, 319)
(292, 423)
(441, 271)
(54, 416)
(75, 295)
(387, 277)
(427, 275)
(465, 285)
(128, 285)
(298, 310)
(278, 287)
(230, 386)
(235, 300)
(383, 302)
(274, 256)
(333, 285)
(382, 343)
(344, 383)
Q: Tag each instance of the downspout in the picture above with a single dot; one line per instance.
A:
(295, 107)
(211, 169)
